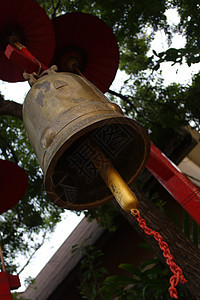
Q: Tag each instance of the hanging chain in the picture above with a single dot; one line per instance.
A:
(174, 280)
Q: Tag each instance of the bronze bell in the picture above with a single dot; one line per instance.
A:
(65, 116)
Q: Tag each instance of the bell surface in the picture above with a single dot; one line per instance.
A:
(65, 116)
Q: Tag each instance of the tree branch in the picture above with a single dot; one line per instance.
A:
(11, 108)
(132, 106)
(55, 8)
(125, 99)
(35, 250)
(8, 145)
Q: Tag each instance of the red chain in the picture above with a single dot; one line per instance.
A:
(174, 280)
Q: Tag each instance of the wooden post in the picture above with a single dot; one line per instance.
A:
(2, 260)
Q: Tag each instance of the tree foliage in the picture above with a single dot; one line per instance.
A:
(149, 279)
(34, 214)
(189, 13)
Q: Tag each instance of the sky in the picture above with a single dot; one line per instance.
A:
(17, 92)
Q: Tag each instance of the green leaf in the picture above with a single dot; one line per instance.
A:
(145, 246)
(119, 280)
(131, 269)
(153, 270)
(149, 262)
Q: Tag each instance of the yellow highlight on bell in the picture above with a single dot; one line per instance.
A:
(120, 190)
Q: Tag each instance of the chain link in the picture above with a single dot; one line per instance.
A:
(176, 270)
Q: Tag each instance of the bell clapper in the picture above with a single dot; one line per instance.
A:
(120, 190)
(118, 187)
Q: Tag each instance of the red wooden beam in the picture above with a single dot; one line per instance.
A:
(5, 293)
(173, 180)
(24, 59)
(14, 282)
(7, 283)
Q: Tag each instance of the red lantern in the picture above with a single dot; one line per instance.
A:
(13, 184)
(27, 23)
(86, 42)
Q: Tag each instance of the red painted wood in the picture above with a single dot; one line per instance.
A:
(28, 22)
(24, 59)
(5, 293)
(13, 184)
(14, 282)
(173, 180)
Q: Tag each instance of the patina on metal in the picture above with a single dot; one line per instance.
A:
(63, 113)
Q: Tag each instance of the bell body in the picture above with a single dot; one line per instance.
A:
(63, 113)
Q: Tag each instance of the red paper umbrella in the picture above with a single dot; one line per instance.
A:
(26, 22)
(13, 184)
(88, 43)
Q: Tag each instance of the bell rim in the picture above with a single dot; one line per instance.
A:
(113, 120)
